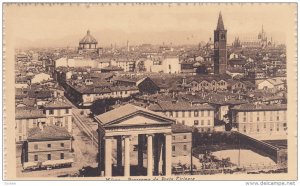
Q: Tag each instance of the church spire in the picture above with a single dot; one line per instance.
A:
(220, 25)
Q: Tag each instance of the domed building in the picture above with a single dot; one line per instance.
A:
(88, 44)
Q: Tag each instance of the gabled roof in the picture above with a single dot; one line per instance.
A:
(124, 111)
(51, 132)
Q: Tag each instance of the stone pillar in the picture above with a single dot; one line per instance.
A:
(157, 154)
(119, 153)
(108, 155)
(127, 156)
(149, 155)
(140, 152)
(168, 154)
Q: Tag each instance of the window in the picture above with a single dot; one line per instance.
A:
(190, 113)
(208, 113)
(184, 147)
(49, 156)
(184, 137)
(277, 126)
(271, 127)
(171, 113)
(251, 116)
(36, 146)
(62, 156)
(183, 122)
(183, 114)
(277, 115)
(20, 138)
(67, 111)
(176, 114)
(202, 122)
(208, 122)
(196, 122)
(58, 112)
(20, 126)
(49, 145)
(202, 113)
(271, 116)
(257, 118)
(245, 128)
(62, 144)
(265, 126)
(36, 158)
(196, 113)
(66, 121)
(173, 148)
(51, 112)
(173, 137)
(264, 115)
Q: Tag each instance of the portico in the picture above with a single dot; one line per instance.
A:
(154, 141)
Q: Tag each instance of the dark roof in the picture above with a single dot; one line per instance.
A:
(51, 132)
(41, 94)
(259, 107)
(23, 113)
(220, 25)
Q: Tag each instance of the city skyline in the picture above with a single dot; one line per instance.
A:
(155, 26)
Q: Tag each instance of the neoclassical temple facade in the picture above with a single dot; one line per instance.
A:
(120, 127)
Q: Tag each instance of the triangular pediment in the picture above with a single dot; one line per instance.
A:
(140, 119)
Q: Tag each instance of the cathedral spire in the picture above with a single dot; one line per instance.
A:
(220, 25)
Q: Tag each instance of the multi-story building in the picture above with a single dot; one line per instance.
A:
(181, 141)
(59, 113)
(27, 119)
(260, 120)
(47, 146)
(200, 116)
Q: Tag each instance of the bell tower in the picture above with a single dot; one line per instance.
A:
(220, 50)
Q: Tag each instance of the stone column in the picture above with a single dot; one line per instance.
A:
(140, 152)
(168, 154)
(149, 155)
(127, 156)
(108, 155)
(119, 153)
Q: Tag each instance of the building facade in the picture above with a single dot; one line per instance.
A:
(47, 146)
(260, 120)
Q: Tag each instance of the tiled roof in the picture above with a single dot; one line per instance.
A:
(57, 104)
(123, 111)
(22, 113)
(180, 128)
(51, 132)
(259, 107)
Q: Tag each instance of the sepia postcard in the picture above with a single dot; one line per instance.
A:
(150, 91)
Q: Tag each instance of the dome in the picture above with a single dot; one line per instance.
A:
(88, 39)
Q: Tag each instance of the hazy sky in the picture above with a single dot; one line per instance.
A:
(65, 25)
